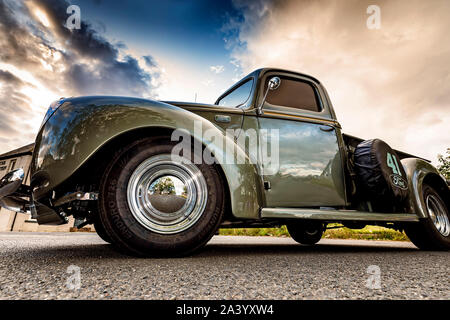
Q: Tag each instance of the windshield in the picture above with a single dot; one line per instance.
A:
(238, 96)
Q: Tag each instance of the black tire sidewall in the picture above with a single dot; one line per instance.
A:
(298, 232)
(126, 230)
(101, 232)
(440, 240)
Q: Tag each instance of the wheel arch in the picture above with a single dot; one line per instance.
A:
(421, 172)
(436, 181)
(100, 160)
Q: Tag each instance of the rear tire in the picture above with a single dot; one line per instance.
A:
(151, 217)
(433, 232)
(306, 232)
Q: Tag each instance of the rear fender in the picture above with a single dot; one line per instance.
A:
(419, 171)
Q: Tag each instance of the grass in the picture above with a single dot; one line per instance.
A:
(367, 233)
(274, 232)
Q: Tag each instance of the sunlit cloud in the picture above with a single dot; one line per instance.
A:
(42, 17)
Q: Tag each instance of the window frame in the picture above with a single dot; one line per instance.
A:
(309, 83)
(295, 79)
(325, 112)
(236, 86)
(12, 164)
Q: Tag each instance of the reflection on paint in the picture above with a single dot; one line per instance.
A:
(310, 166)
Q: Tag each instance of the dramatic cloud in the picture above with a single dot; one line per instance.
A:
(41, 60)
(150, 62)
(392, 83)
(14, 106)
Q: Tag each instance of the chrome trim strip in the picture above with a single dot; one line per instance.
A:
(271, 114)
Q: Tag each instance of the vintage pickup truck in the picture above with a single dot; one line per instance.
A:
(115, 162)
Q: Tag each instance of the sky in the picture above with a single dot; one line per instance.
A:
(390, 82)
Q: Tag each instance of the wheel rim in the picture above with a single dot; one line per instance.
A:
(167, 196)
(438, 215)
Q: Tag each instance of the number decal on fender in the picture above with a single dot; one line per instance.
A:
(396, 178)
(393, 164)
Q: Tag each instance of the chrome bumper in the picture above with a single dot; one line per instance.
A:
(13, 192)
(18, 197)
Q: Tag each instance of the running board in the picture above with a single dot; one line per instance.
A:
(336, 215)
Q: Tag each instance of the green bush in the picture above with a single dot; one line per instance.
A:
(367, 233)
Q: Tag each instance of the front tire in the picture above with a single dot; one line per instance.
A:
(433, 232)
(151, 205)
(306, 232)
(101, 232)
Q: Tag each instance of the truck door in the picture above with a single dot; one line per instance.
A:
(310, 171)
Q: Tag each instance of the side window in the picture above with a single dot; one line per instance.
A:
(238, 96)
(295, 94)
(12, 164)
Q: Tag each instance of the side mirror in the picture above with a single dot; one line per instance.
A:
(274, 84)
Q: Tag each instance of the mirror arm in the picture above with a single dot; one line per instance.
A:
(259, 110)
(273, 84)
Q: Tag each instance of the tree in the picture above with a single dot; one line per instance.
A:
(444, 164)
(163, 186)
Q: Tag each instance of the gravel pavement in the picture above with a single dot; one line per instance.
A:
(44, 266)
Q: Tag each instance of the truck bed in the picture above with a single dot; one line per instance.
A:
(354, 141)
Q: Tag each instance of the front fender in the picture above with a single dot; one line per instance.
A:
(417, 171)
(82, 126)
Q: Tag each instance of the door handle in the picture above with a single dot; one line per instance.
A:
(222, 118)
(326, 128)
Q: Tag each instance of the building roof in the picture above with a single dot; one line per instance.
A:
(25, 150)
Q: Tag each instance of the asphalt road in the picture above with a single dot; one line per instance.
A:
(35, 266)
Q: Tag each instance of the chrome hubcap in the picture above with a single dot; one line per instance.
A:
(166, 196)
(438, 215)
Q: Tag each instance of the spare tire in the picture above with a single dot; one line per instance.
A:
(380, 173)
